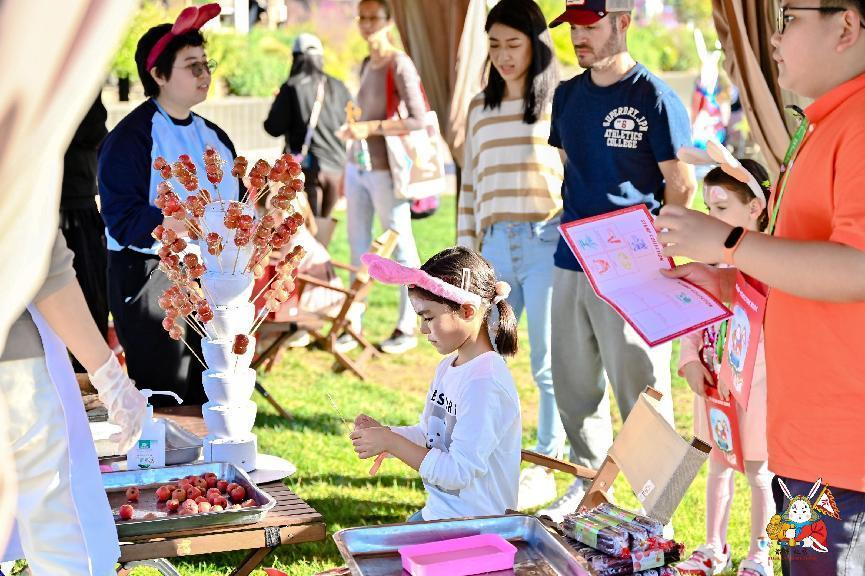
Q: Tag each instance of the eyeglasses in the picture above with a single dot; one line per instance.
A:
(198, 68)
(368, 19)
(781, 19)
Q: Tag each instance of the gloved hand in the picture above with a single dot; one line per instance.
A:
(126, 406)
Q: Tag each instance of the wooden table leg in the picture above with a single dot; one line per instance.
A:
(252, 561)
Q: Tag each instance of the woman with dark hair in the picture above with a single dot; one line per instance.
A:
(369, 187)
(308, 111)
(510, 202)
(175, 72)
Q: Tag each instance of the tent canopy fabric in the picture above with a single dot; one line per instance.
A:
(446, 41)
(745, 28)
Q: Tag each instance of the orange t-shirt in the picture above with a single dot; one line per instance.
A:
(815, 350)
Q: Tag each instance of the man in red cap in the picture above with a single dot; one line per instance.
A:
(620, 128)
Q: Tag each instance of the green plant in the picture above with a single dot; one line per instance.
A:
(149, 15)
(251, 65)
(660, 47)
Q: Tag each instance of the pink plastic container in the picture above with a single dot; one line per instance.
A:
(459, 556)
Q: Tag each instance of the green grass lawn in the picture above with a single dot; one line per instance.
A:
(337, 484)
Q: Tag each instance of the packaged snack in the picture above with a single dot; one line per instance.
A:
(653, 527)
(611, 540)
(652, 562)
(612, 530)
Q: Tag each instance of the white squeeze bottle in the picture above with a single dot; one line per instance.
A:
(149, 451)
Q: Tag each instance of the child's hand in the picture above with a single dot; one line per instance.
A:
(723, 390)
(369, 442)
(691, 234)
(696, 375)
(364, 421)
(706, 277)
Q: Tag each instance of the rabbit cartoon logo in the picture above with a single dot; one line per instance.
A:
(801, 523)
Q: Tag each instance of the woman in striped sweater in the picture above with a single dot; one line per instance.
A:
(510, 200)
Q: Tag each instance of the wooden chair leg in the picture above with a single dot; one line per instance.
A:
(252, 561)
(272, 361)
(272, 401)
(269, 351)
(349, 364)
(373, 351)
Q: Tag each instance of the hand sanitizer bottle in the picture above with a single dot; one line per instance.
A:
(149, 451)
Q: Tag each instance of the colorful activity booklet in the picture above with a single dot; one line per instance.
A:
(622, 259)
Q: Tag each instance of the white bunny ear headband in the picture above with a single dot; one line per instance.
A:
(715, 153)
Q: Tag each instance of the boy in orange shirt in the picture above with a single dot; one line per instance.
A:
(814, 264)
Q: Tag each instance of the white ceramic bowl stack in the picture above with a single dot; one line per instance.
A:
(229, 381)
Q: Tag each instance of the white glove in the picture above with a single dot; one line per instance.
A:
(126, 406)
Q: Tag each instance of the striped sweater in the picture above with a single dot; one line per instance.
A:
(510, 172)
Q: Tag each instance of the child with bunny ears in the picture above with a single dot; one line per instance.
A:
(467, 444)
(735, 192)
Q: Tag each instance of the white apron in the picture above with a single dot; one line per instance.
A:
(95, 519)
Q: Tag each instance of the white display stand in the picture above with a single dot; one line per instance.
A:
(229, 382)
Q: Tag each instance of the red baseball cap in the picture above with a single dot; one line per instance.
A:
(587, 12)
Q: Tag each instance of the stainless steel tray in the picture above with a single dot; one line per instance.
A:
(373, 550)
(148, 481)
(181, 445)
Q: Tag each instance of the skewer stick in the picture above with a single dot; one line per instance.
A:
(218, 195)
(193, 326)
(377, 464)
(269, 282)
(233, 268)
(259, 321)
(250, 266)
(200, 361)
(195, 228)
(201, 327)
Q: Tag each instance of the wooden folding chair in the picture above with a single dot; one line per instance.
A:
(326, 326)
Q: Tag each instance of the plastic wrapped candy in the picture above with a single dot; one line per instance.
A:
(653, 527)
(648, 563)
(610, 540)
(613, 530)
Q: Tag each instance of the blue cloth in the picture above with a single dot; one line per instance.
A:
(614, 137)
(416, 517)
(127, 180)
(845, 537)
(522, 255)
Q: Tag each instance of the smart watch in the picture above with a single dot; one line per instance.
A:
(731, 244)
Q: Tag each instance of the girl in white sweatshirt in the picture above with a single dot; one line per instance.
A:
(466, 446)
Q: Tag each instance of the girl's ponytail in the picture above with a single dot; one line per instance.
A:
(451, 265)
(506, 330)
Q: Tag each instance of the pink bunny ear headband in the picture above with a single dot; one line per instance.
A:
(390, 272)
(715, 153)
(191, 18)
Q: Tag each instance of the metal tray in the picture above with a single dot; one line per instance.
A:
(181, 445)
(148, 481)
(374, 550)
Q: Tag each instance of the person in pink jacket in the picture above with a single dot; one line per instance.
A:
(738, 204)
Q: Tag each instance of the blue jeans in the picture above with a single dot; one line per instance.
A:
(522, 255)
(845, 537)
(369, 194)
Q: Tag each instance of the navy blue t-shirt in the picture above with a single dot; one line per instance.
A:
(614, 137)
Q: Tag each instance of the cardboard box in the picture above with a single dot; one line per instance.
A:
(659, 464)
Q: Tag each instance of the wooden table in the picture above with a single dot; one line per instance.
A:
(291, 521)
